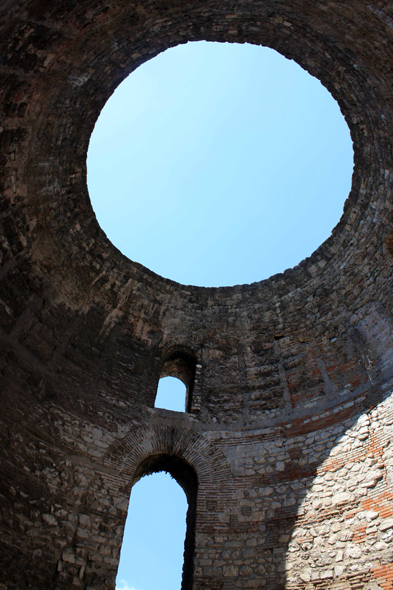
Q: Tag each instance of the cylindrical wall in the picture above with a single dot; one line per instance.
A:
(290, 425)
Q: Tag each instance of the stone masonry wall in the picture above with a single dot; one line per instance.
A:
(290, 423)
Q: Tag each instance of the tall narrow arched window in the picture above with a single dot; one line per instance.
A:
(153, 536)
(179, 365)
(148, 514)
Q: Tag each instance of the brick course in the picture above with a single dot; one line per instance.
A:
(290, 423)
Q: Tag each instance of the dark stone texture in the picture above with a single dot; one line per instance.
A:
(283, 364)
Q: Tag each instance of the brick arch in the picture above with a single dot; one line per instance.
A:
(179, 440)
(282, 361)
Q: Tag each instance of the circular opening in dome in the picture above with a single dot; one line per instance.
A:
(219, 164)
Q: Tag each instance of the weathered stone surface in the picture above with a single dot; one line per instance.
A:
(290, 415)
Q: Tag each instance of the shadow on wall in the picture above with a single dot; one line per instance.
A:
(305, 511)
(313, 509)
(333, 501)
(309, 512)
(343, 529)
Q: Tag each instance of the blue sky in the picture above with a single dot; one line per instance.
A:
(219, 164)
(153, 545)
(212, 164)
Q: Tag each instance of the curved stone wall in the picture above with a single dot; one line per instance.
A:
(290, 420)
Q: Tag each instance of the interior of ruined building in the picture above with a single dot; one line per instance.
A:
(285, 450)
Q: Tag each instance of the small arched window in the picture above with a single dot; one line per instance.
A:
(179, 365)
(171, 394)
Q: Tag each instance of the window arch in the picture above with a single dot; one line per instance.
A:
(154, 534)
(186, 477)
(181, 364)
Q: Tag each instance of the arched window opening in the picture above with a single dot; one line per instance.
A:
(180, 365)
(157, 530)
(154, 534)
(171, 394)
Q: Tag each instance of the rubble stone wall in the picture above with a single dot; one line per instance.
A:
(290, 422)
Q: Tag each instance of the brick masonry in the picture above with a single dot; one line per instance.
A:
(290, 424)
